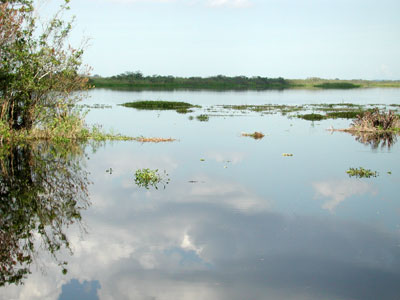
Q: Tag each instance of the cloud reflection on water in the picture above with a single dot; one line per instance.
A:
(340, 190)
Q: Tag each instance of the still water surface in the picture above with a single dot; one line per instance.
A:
(238, 220)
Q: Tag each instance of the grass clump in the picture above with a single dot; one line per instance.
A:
(312, 117)
(361, 173)
(147, 178)
(256, 135)
(160, 105)
(203, 118)
(337, 85)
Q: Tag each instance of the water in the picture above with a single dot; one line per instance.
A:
(238, 220)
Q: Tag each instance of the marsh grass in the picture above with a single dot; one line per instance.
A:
(203, 118)
(181, 107)
(68, 130)
(312, 117)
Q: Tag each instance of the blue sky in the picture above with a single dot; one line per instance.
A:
(294, 39)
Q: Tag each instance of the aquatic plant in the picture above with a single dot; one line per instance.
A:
(159, 105)
(312, 117)
(361, 173)
(203, 118)
(287, 154)
(345, 114)
(147, 177)
(256, 135)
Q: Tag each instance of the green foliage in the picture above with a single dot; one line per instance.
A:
(361, 173)
(146, 178)
(136, 80)
(203, 118)
(39, 70)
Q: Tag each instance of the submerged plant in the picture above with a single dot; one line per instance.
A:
(146, 178)
(361, 173)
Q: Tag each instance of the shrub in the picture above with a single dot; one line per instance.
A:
(376, 120)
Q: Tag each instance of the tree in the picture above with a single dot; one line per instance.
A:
(38, 71)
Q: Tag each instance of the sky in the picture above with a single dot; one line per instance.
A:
(346, 39)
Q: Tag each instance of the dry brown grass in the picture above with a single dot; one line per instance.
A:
(256, 135)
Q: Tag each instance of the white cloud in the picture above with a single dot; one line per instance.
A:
(339, 190)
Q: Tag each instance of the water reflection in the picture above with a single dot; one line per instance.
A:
(43, 189)
(376, 140)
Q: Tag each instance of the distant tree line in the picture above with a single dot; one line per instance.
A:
(138, 80)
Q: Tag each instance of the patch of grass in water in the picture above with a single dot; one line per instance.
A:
(184, 110)
(147, 177)
(203, 118)
(159, 105)
(361, 173)
(312, 117)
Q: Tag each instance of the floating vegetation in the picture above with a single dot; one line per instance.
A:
(256, 135)
(345, 114)
(266, 108)
(287, 154)
(312, 117)
(337, 85)
(361, 173)
(154, 140)
(203, 118)
(160, 105)
(151, 178)
(183, 110)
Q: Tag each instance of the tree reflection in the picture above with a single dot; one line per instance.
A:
(376, 139)
(43, 189)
